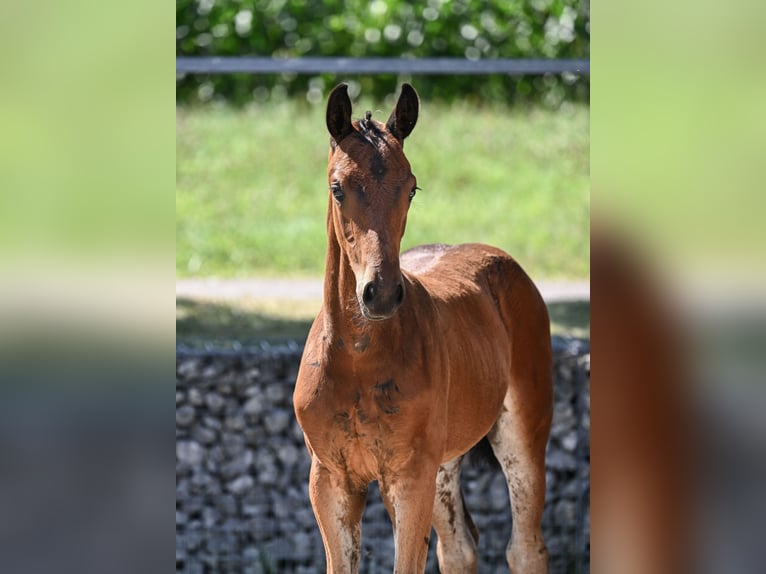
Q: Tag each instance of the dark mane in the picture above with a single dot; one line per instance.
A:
(369, 129)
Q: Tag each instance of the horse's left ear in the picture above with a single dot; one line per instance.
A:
(405, 115)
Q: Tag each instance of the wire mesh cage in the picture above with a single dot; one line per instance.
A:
(242, 503)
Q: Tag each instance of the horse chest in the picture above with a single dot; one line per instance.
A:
(359, 427)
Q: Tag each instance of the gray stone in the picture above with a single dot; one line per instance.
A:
(180, 549)
(264, 457)
(375, 512)
(190, 452)
(215, 457)
(251, 561)
(305, 518)
(187, 368)
(569, 441)
(192, 538)
(570, 489)
(209, 517)
(550, 481)
(277, 394)
(277, 421)
(247, 437)
(278, 550)
(268, 476)
(254, 508)
(288, 455)
(233, 444)
(211, 371)
(254, 406)
(240, 485)
(565, 513)
(201, 482)
(196, 398)
(498, 493)
(182, 488)
(296, 432)
(253, 374)
(214, 402)
(235, 422)
(227, 504)
(555, 545)
(185, 415)
(281, 508)
(250, 554)
(212, 422)
(262, 528)
(563, 417)
(254, 435)
(204, 435)
(559, 460)
(238, 466)
(480, 519)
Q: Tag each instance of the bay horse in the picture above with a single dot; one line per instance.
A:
(412, 360)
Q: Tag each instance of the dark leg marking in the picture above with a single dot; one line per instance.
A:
(447, 500)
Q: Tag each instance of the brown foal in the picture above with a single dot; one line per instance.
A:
(412, 360)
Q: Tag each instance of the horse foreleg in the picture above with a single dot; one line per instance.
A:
(338, 507)
(456, 548)
(410, 498)
(520, 448)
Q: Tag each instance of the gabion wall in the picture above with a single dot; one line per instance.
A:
(242, 471)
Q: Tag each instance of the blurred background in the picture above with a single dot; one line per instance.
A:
(502, 158)
(88, 169)
(470, 29)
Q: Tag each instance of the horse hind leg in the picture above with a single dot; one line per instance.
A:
(457, 534)
(520, 449)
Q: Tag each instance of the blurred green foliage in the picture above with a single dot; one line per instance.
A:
(473, 29)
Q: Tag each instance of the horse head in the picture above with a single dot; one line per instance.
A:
(371, 187)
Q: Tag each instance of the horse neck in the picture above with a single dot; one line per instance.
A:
(339, 282)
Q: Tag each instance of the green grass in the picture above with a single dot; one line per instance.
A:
(200, 321)
(252, 192)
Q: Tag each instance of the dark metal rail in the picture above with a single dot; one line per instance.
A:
(422, 66)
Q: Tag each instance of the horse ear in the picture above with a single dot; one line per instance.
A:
(339, 113)
(405, 115)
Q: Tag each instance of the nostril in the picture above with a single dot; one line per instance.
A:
(369, 293)
(399, 294)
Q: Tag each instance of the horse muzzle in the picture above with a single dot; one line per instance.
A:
(379, 299)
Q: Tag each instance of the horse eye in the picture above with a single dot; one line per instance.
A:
(337, 192)
(413, 191)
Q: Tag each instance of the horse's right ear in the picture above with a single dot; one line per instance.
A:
(339, 113)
